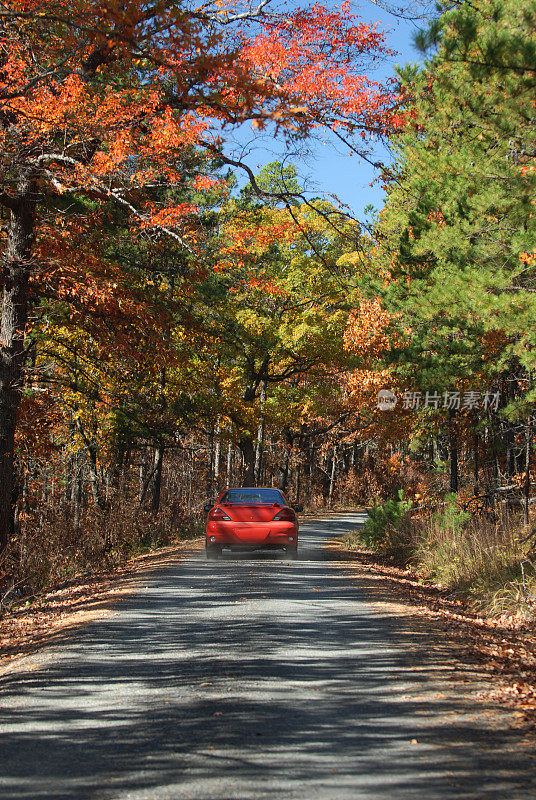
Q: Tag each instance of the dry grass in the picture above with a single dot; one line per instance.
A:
(49, 551)
(490, 564)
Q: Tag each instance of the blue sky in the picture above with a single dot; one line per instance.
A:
(327, 168)
(337, 171)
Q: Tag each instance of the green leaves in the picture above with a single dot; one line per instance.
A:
(458, 229)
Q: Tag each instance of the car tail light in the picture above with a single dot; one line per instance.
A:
(285, 515)
(218, 514)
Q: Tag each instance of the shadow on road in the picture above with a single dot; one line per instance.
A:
(253, 677)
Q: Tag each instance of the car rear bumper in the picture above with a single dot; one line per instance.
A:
(252, 535)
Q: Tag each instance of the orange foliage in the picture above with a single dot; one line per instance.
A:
(368, 336)
(296, 71)
(366, 333)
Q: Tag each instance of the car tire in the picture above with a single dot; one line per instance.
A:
(213, 551)
(292, 552)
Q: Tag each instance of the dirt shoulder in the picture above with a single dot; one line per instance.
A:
(503, 649)
(53, 615)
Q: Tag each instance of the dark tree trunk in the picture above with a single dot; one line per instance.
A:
(78, 489)
(118, 467)
(332, 476)
(248, 452)
(476, 465)
(284, 468)
(528, 445)
(510, 453)
(311, 460)
(91, 446)
(511, 466)
(297, 484)
(142, 471)
(157, 479)
(17, 264)
(94, 475)
(453, 447)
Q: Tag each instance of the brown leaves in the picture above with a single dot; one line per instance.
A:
(503, 648)
(29, 626)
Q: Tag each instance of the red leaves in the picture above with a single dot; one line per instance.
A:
(121, 92)
(311, 62)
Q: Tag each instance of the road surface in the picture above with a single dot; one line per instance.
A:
(249, 678)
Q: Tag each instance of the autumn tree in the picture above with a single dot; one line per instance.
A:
(276, 309)
(100, 102)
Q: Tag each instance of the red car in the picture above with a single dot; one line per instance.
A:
(252, 519)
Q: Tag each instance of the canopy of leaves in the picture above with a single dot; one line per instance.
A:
(458, 230)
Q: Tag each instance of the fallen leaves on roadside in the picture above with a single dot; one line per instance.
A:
(503, 648)
(27, 627)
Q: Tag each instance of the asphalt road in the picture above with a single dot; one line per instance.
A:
(254, 678)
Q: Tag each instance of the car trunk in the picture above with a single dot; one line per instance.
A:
(251, 513)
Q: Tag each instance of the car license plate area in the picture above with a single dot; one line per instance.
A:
(251, 532)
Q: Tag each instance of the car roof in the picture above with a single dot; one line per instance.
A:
(253, 489)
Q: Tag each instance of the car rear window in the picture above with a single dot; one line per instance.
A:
(255, 496)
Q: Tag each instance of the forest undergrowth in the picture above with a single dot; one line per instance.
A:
(487, 561)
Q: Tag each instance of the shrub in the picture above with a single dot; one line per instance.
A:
(451, 517)
(489, 563)
(388, 528)
(49, 551)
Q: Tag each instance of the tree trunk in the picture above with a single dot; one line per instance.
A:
(17, 265)
(312, 456)
(116, 470)
(91, 446)
(209, 483)
(78, 488)
(258, 452)
(510, 453)
(70, 474)
(217, 459)
(528, 445)
(476, 465)
(332, 476)
(453, 447)
(229, 464)
(190, 480)
(248, 453)
(260, 437)
(284, 468)
(44, 499)
(157, 478)
(94, 475)
(142, 474)
(284, 472)
(511, 466)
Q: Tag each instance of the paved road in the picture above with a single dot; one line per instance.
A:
(253, 678)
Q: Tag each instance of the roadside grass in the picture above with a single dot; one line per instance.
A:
(488, 565)
(44, 558)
